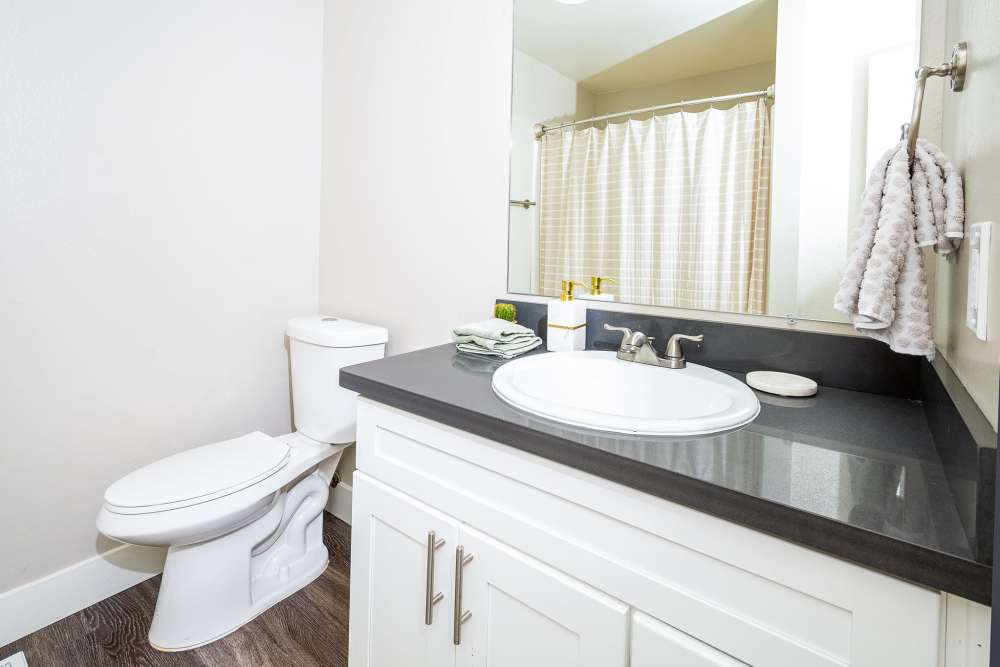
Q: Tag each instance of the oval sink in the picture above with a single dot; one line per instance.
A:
(599, 391)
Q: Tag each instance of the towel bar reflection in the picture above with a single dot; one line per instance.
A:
(955, 70)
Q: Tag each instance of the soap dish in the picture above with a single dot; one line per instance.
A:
(782, 384)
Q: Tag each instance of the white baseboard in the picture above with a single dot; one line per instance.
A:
(339, 502)
(44, 601)
(31, 607)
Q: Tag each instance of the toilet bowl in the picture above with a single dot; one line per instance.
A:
(242, 519)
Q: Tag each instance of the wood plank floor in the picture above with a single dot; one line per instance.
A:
(306, 630)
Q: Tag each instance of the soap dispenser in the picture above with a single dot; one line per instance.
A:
(567, 330)
(597, 292)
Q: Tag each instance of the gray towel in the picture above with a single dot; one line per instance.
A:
(884, 287)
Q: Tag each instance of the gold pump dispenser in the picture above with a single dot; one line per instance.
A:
(595, 284)
(566, 289)
(567, 320)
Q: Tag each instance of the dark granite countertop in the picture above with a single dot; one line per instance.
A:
(851, 474)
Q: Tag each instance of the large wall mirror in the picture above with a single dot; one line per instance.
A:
(708, 155)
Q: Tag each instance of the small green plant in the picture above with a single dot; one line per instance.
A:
(505, 311)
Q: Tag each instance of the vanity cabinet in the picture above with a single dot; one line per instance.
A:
(523, 612)
(404, 545)
(512, 606)
(655, 644)
(563, 567)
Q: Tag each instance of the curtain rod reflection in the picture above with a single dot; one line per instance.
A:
(540, 129)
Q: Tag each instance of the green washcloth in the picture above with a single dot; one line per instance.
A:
(495, 338)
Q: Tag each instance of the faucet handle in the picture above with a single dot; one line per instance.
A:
(625, 332)
(674, 349)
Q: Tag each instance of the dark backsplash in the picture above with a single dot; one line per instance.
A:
(968, 453)
(844, 362)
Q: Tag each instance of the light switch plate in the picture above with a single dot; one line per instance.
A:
(978, 302)
(16, 660)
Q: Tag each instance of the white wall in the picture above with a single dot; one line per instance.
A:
(416, 139)
(540, 95)
(159, 207)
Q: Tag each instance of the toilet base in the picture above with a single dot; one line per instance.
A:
(212, 588)
(306, 579)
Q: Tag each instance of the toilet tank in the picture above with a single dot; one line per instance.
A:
(319, 347)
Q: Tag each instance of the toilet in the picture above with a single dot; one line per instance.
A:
(242, 519)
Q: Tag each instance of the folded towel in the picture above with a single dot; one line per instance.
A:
(496, 338)
(494, 329)
(884, 287)
(502, 353)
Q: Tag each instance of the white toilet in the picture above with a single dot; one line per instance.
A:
(243, 518)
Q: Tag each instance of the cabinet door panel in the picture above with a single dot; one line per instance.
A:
(389, 556)
(527, 614)
(656, 644)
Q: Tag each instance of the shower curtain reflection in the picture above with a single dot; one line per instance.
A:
(674, 207)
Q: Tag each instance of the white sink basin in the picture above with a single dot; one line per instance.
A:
(596, 390)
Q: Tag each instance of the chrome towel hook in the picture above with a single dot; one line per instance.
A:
(955, 69)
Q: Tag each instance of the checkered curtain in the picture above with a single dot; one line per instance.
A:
(675, 208)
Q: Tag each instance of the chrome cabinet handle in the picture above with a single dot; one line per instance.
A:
(430, 597)
(461, 560)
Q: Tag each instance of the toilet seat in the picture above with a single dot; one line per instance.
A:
(198, 475)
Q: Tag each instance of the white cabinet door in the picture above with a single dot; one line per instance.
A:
(656, 644)
(523, 613)
(390, 581)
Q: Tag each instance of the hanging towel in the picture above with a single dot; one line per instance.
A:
(495, 338)
(947, 197)
(884, 287)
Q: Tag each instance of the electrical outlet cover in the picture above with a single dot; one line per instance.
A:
(978, 296)
(16, 660)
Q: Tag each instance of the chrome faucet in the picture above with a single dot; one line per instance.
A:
(638, 347)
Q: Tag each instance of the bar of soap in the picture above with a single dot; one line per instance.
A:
(782, 384)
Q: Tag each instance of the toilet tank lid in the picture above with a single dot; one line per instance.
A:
(335, 332)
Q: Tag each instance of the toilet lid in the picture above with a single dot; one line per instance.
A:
(198, 475)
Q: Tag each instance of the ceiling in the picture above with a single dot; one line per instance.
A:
(610, 45)
(744, 36)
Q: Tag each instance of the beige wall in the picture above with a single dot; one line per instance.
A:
(740, 80)
(971, 137)
(414, 220)
(159, 214)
